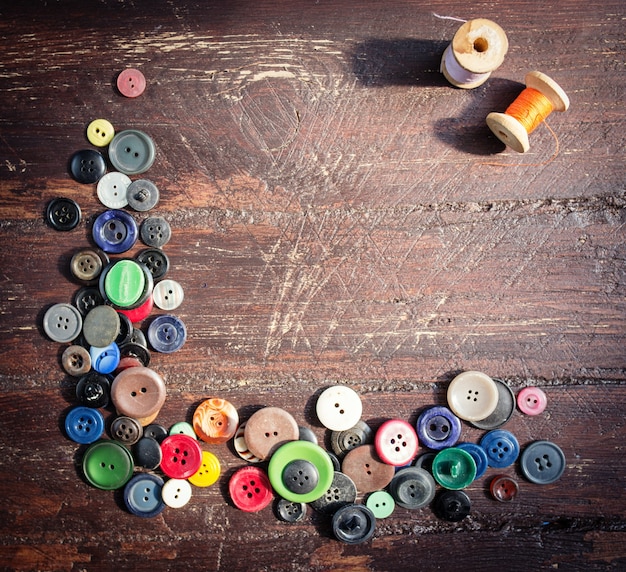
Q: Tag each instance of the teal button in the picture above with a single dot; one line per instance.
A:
(454, 468)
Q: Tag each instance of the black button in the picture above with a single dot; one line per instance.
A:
(300, 476)
(306, 434)
(126, 430)
(343, 441)
(412, 487)
(354, 523)
(289, 511)
(334, 460)
(452, 505)
(342, 491)
(93, 390)
(156, 261)
(136, 350)
(156, 432)
(139, 337)
(87, 298)
(63, 214)
(87, 166)
(155, 231)
(147, 453)
(126, 332)
(142, 195)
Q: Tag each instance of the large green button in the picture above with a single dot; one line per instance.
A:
(108, 465)
(124, 283)
(454, 468)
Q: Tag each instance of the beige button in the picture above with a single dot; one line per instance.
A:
(215, 420)
(268, 429)
(76, 360)
(138, 392)
(367, 471)
(472, 395)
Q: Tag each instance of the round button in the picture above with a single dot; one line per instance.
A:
(215, 420)
(126, 332)
(142, 195)
(183, 428)
(167, 333)
(452, 506)
(176, 493)
(86, 266)
(354, 524)
(412, 487)
(63, 214)
(268, 429)
(343, 441)
(289, 511)
(250, 489)
(126, 430)
(131, 152)
(156, 432)
(112, 188)
(93, 390)
(100, 132)
(479, 456)
(438, 428)
(156, 261)
(542, 462)
(139, 313)
(143, 495)
(62, 323)
(306, 451)
(241, 447)
(115, 231)
(168, 295)
(87, 166)
(209, 471)
(381, 504)
(334, 460)
(101, 326)
(503, 488)
(396, 442)
(306, 434)
(138, 392)
(501, 447)
(107, 465)
(472, 395)
(339, 408)
(133, 354)
(503, 411)
(76, 361)
(182, 456)
(532, 401)
(367, 471)
(425, 461)
(87, 298)
(155, 232)
(84, 425)
(147, 453)
(131, 82)
(125, 283)
(454, 468)
(105, 360)
(342, 491)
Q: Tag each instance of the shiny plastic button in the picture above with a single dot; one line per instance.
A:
(155, 232)
(100, 132)
(472, 395)
(343, 441)
(63, 214)
(354, 524)
(147, 453)
(501, 447)
(93, 390)
(87, 166)
(479, 456)
(454, 468)
(503, 488)
(126, 332)
(412, 487)
(342, 491)
(139, 313)
(209, 471)
(107, 465)
(86, 266)
(289, 511)
(381, 504)
(155, 431)
(143, 495)
(131, 82)
(142, 195)
(76, 361)
(115, 231)
(396, 442)
(503, 411)
(87, 298)
(176, 493)
(532, 401)
(438, 428)
(131, 152)
(167, 333)
(452, 506)
(367, 471)
(268, 429)
(105, 360)
(101, 326)
(183, 428)
(241, 447)
(124, 283)
(339, 408)
(182, 456)
(62, 323)
(84, 425)
(215, 420)
(250, 489)
(138, 392)
(542, 462)
(133, 355)
(168, 295)
(112, 189)
(126, 430)
(156, 261)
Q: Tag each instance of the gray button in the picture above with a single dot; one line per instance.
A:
(101, 326)
(126, 430)
(412, 487)
(131, 152)
(542, 462)
(306, 434)
(62, 323)
(503, 411)
(300, 476)
(155, 231)
(289, 511)
(342, 491)
(142, 195)
(343, 441)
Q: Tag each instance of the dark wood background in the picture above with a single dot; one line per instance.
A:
(336, 219)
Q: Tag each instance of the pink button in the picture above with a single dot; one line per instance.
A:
(131, 82)
(396, 442)
(531, 400)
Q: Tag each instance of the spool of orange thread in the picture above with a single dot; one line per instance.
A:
(531, 107)
(476, 50)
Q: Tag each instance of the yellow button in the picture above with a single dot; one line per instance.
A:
(100, 132)
(208, 472)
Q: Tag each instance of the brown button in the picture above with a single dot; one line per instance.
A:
(268, 429)
(86, 266)
(138, 392)
(126, 430)
(215, 420)
(76, 360)
(367, 471)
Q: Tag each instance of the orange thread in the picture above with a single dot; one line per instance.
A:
(530, 108)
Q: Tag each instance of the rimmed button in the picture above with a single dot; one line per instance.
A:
(138, 392)
(131, 82)
(87, 166)
(62, 323)
(126, 430)
(268, 429)
(167, 333)
(115, 231)
(142, 495)
(339, 408)
(106, 359)
(168, 295)
(412, 487)
(454, 468)
(215, 420)
(126, 283)
(472, 395)
(367, 471)
(76, 360)
(93, 390)
(289, 511)
(155, 231)
(209, 471)
(176, 493)
(354, 524)
(147, 453)
(142, 195)
(87, 298)
(139, 313)
(100, 132)
(101, 326)
(86, 266)
(132, 152)
(503, 488)
(112, 189)
(342, 491)
(84, 425)
(306, 434)
(133, 355)
(501, 447)
(479, 456)
(107, 465)
(241, 447)
(438, 428)
(182, 456)
(381, 504)
(503, 411)
(452, 506)
(343, 441)
(542, 462)
(126, 332)
(63, 214)
(155, 260)
(250, 489)
(396, 442)
(532, 401)
(156, 431)
(183, 428)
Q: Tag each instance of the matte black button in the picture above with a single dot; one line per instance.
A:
(452, 505)
(425, 461)
(93, 390)
(342, 491)
(503, 411)
(343, 441)
(289, 511)
(63, 214)
(142, 195)
(87, 298)
(126, 430)
(155, 231)
(354, 524)
(412, 487)
(334, 460)
(156, 261)
(156, 432)
(147, 453)
(300, 476)
(87, 166)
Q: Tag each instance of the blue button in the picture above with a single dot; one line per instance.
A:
(479, 456)
(105, 360)
(438, 428)
(84, 425)
(542, 462)
(142, 495)
(501, 447)
(167, 333)
(115, 231)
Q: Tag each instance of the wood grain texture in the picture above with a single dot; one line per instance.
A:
(336, 219)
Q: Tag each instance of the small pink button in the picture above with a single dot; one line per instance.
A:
(131, 82)
(531, 400)
(396, 442)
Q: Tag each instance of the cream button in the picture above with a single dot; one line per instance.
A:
(472, 395)
(176, 493)
(168, 294)
(339, 408)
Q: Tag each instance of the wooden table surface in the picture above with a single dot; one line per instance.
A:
(337, 218)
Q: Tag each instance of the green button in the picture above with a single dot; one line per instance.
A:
(454, 468)
(124, 283)
(381, 503)
(108, 465)
(183, 428)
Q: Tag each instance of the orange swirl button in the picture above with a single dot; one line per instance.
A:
(215, 420)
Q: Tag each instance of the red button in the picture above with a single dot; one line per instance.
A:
(142, 312)
(131, 82)
(250, 489)
(503, 488)
(396, 442)
(182, 456)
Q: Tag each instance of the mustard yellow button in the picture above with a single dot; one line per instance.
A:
(100, 132)
(209, 471)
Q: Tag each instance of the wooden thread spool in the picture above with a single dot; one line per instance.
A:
(531, 107)
(477, 49)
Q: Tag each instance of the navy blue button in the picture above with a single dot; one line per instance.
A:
(438, 428)
(115, 231)
(84, 425)
(167, 333)
(501, 447)
(87, 166)
(353, 524)
(105, 360)
(142, 495)
(479, 456)
(63, 214)
(93, 390)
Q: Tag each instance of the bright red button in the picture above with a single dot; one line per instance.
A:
(250, 489)
(182, 456)
(141, 313)
(396, 442)
(131, 82)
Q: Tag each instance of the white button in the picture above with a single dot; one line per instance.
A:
(176, 493)
(339, 408)
(112, 190)
(168, 295)
(472, 395)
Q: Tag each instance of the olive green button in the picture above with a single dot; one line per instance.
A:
(108, 465)
(454, 468)
(124, 283)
